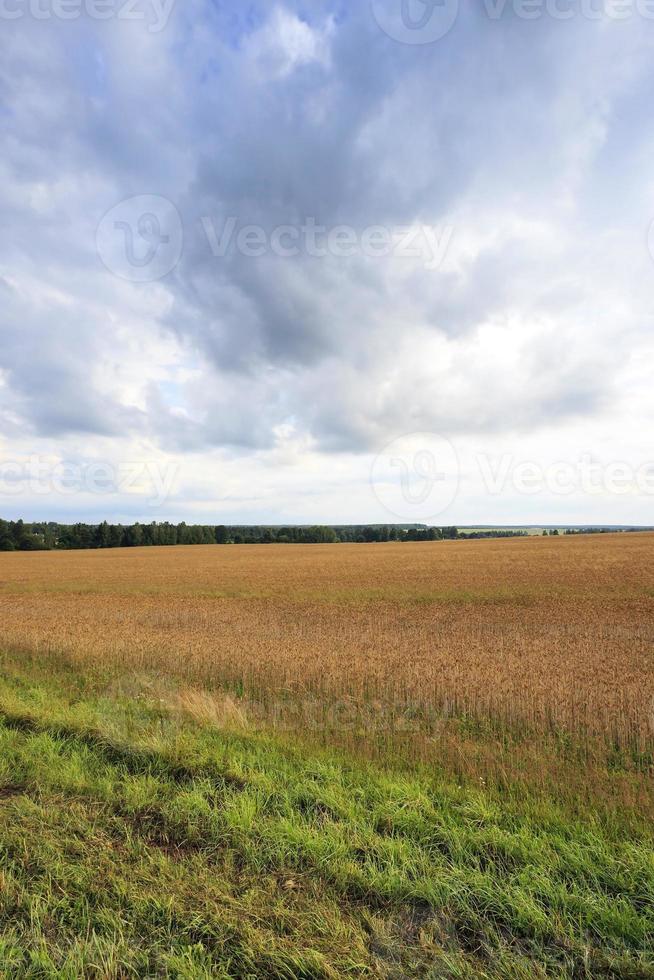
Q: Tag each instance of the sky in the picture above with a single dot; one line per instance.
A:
(385, 261)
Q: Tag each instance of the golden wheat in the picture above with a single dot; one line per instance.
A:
(548, 634)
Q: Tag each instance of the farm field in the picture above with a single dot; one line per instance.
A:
(387, 760)
(547, 635)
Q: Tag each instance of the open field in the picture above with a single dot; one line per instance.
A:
(383, 645)
(552, 634)
(416, 760)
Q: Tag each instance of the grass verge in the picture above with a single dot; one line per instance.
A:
(131, 847)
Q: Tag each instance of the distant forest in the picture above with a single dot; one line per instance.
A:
(46, 536)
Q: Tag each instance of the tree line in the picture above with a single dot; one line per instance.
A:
(50, 535)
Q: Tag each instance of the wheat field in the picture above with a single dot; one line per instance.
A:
(545, 633)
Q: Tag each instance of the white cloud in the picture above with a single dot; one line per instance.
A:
(284, 43)
(271, 382)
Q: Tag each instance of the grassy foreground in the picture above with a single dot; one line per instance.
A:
(135, 844)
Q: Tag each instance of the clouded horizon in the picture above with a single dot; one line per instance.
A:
(321, 262)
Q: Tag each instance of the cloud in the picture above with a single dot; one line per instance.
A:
(527, 139)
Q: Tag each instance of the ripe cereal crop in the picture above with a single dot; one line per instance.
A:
(383, 645)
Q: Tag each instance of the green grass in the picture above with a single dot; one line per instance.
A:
(135, 845)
